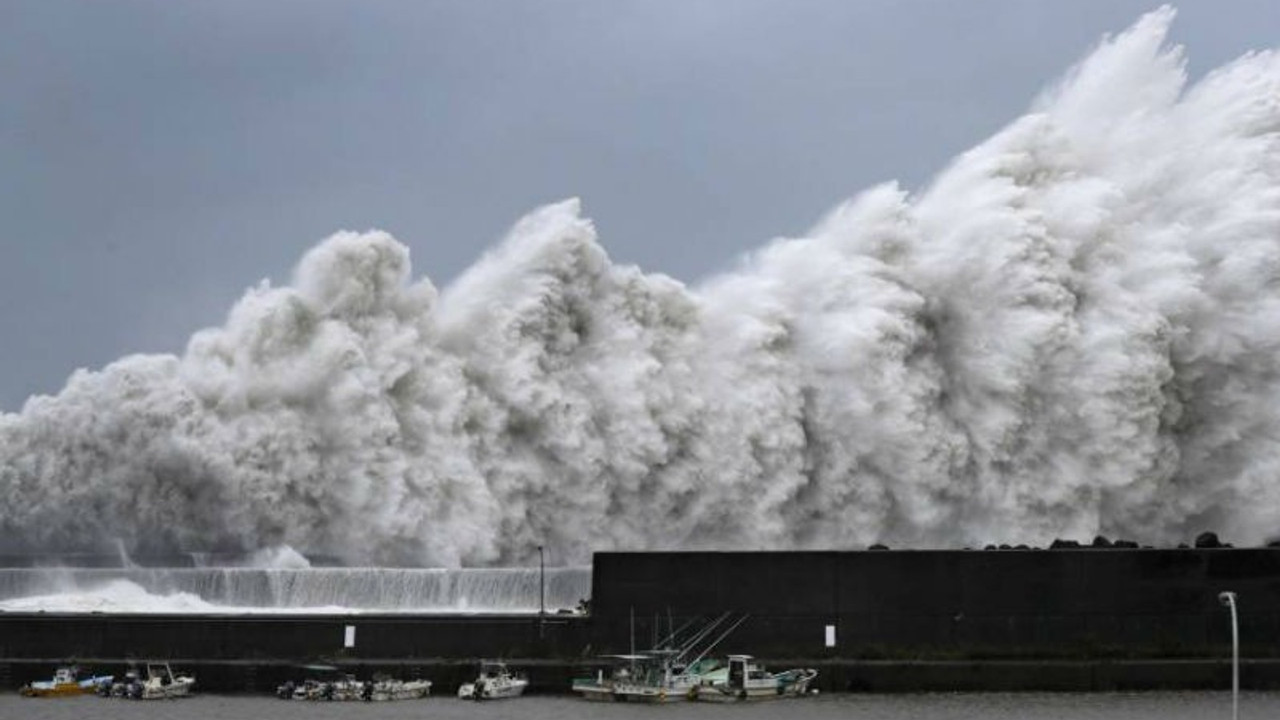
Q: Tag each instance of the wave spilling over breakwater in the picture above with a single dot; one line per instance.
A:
(257, 590)
(1074, 330)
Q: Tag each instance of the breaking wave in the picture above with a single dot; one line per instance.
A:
(1074, 330)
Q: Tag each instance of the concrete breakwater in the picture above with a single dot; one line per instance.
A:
(870, 620)
(1067, 604)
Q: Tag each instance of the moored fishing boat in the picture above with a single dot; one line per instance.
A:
(495, 681)
(388, 688)
(671, 672)
(162, 683)
(66, 681)
(659, 676)
(743, 679)
(322, 682)
(157, 681)
(326, 682)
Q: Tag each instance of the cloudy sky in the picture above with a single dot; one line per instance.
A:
(157, 158)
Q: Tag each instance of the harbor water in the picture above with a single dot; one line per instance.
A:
(935, 706)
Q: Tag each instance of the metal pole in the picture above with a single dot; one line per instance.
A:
(542, 593)
(1229, 599)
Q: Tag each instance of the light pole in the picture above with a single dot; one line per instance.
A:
(1228, 598)
(542, 593)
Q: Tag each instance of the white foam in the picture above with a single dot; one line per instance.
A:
(1074, 330)
(118, 596)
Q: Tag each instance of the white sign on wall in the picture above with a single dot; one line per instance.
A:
(831, 636)
(349, 637)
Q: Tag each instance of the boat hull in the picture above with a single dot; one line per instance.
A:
(401, 690)
(595, 692)
(59, 690)
(793, 683)
(629, 692)
(180, 687)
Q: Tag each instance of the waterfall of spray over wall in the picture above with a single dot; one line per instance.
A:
(134, 589)
(1073, 330)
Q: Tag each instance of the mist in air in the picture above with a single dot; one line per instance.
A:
(1074, 330)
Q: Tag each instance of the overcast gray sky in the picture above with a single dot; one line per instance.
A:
(157, 158)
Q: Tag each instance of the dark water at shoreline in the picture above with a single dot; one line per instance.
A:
(934, 706)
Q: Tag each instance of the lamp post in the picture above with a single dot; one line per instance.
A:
(1228, 598)
(542, 593)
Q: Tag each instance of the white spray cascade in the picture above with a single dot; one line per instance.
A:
(1074, 330)
(283, 590)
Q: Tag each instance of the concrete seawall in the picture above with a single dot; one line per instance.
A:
(896, 621)
(1079, 604)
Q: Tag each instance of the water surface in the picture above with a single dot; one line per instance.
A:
(935, 706)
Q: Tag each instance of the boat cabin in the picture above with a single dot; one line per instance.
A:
(742, 671)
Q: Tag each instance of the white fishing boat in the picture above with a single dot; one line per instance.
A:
(743, 679)
(495, 681)
(162, 683)
(66, 681)
(669, 673)
(637, 677)
(658, 676)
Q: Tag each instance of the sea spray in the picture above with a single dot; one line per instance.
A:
(1073, 330)
(286, 590)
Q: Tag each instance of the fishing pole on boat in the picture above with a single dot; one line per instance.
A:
(701, 635)
(723, 635)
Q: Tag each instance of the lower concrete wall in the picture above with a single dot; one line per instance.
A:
(289, 638)
(264, 676)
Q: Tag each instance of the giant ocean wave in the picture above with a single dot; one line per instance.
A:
(1073, 330)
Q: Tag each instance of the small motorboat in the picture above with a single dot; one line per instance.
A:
(66, 681)
(326, 682)
(156, 682)
(388, 688)
(161, 683)
(130, 686)
(322, 682)
(495, 681)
